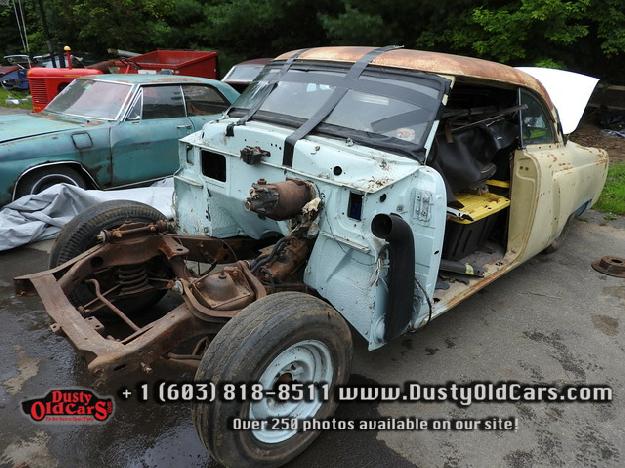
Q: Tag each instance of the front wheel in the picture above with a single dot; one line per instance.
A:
(286, 337)
(80, 234)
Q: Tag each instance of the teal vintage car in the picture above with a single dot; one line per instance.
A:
(106, 132)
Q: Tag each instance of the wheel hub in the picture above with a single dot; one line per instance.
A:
(613, 266)
(305, 362)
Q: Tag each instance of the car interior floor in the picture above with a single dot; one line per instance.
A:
(473, 151)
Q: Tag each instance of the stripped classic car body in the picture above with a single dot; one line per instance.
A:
(391, 183)
(549, 182)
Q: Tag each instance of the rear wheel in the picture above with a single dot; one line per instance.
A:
(80, 234)
(40, 179)
(286, 337)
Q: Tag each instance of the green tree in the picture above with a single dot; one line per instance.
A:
(580, 35)
(95, 25)
(10, 42)
(262, 28)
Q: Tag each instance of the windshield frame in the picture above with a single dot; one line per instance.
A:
(129, 97)
(413, 150)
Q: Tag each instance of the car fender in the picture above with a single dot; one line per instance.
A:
(87, 149)
(75, 164)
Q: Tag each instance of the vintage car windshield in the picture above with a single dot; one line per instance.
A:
(399, 107)
(90, 99)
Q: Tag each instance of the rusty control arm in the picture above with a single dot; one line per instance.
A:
(110, 305)
(164, 256)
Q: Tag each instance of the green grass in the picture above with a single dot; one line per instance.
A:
(612, 200)
(4, 95)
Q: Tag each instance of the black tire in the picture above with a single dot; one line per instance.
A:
(80, 234)
(38, 180)
(240, 352)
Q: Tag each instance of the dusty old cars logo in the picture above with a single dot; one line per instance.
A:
(70, 406)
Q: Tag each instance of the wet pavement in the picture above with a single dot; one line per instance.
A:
(552, 320)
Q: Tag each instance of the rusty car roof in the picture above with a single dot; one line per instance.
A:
(425, 61)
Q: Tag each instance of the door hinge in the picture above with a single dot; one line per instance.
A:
(422, 207)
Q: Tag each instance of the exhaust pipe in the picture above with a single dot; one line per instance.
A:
(393, 229)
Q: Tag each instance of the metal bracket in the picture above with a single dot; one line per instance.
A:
(422, 207)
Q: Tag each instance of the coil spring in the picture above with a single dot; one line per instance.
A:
(132, 278)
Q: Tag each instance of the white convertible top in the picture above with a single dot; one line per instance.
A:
(568, 91)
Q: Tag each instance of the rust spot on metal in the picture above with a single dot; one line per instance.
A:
(279, 201)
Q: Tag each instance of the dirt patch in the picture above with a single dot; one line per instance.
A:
(589, 134)
(605, 324)
(519, 459)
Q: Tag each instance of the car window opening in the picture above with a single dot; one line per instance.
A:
(354, 206)
(473, 150)
(163, 102)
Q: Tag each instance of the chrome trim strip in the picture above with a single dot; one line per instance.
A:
(136, 183)
(184, 102)
(136, 96)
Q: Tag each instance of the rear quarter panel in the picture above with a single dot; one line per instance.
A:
(550, 183)
(580, 178)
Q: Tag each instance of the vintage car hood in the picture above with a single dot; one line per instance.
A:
(568, 91)
(15, 127)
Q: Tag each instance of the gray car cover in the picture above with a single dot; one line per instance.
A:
(38, 217)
